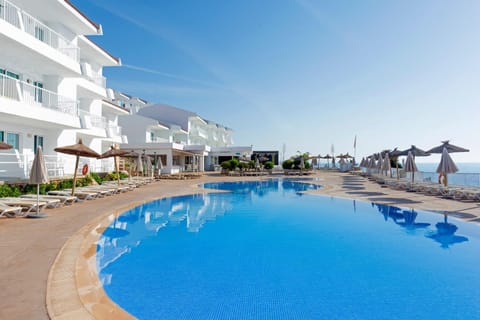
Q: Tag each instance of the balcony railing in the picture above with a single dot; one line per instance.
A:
(33, 95)
(27, 23)
(114, 131)
(90, 120)
(98, 79)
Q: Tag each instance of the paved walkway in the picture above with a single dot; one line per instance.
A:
(29, 247)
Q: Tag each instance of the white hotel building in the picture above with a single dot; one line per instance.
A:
(181, 139)
(53, 92)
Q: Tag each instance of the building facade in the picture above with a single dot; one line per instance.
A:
(52, 88)
(182, 140)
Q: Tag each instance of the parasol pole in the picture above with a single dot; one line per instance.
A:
(38, 198)
(116, 168)
(75, 175)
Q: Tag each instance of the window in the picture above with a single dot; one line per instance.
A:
(2, 136)
(37, 142)
(152, 136)
(38, 91)
(10, 74)
(39, 33)
(13, 139)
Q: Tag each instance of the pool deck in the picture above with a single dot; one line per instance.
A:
(46, 265)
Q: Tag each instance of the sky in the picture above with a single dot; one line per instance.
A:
(310, 75)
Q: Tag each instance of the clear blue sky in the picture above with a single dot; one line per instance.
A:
(306, 73)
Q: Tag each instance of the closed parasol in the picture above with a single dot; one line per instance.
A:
(38, 175)
(386, 164)
(410, 165)
(78, 150)
(445, 167)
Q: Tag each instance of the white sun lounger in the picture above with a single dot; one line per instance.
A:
(50, 203)
(27, 206)
(81, 195)
(9, 211)
(64, 200)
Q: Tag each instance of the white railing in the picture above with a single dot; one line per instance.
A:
(18, 166)
(27, 23)
(99, 80)
(90, 120)
(114, 131)
(33, 95)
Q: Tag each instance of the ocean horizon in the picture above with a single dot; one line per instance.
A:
(463, 167)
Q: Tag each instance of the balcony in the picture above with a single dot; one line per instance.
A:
(27, 23)
(114, 131)
(27, 93)
(92, 121)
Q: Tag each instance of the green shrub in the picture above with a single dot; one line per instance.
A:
(230, 164)
(287, 164)
(268, 165)
(65, 184)
(96, 177)
(9, 191)
(243, 165)
(234, 164)
(251, 164)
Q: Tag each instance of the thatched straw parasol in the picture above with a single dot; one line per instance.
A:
(78, 150)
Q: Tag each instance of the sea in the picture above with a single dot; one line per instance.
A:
(468, 173)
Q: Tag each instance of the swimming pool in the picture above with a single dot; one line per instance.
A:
(268, 251)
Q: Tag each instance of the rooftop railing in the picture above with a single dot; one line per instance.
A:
(27, 23)
(34, 95)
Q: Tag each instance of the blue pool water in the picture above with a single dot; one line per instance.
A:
(266, 250)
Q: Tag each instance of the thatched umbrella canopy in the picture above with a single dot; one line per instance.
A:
(446, 145)
(5, 146)
(113, 152)
(78, 150)
(416, 152)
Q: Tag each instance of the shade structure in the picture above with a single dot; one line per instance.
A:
(394, 154)
(113, 152)
(386, 164)
(446, 166)
(131, 155)
(78, 150)
(410, 165)
(139, 163)
(149, 165)
(416, 152)
(379, 163)
(446, 145)
(38, 175)
(5, 146)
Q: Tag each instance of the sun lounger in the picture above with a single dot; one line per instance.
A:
(50, 203)
(9, 211)
(81, 195)
(27, 206)
(64, 200)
